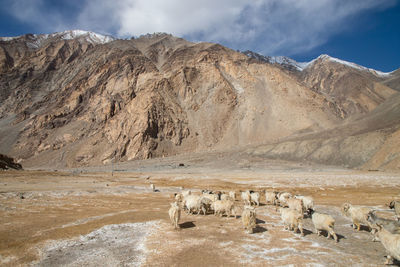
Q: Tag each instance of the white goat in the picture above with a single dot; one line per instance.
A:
(295, 204)
(226, 197)
(283, 197)
(249, 218)
(179, 197)
(391, 242)
(186, 193)
(232, 195)
(308, 203)
(192, 203)
(255, 198)
(222, 207)
(246, 197)
(358, 215)
(292, 220)
(324, 222)
(270, 197)
(174, 214)
(390, 225)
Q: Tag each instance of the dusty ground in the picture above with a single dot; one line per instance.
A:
(75, 218)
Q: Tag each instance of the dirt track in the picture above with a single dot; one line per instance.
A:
(88, 218)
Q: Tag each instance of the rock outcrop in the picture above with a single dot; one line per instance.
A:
(7, 163)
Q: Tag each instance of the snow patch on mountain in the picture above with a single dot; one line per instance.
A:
(353, 65)
(281, 60)
(300, 66)
(288, 61)
(91, 37)
(6, 39)
(36, 40)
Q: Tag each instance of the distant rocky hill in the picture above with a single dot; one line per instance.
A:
(78, 98)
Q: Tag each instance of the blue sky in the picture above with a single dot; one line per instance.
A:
(366, 32)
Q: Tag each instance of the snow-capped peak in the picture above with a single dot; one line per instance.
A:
(288, 61)
(91, 37)
(352, 65)
(300, 66)
(36, 40)
(282, 60)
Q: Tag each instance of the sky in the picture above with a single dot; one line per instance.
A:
(366, 32)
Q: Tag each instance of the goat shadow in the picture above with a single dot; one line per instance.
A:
(259, 221)
(259, 229)
(364, 228)
(187, 225)
(306, 232)
(325, 234)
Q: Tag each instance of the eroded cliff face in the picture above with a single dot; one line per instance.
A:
(74, 102)
(91, 103)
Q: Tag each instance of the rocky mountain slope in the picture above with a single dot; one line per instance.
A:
(353, 90)
(77, 98)
(393, 81)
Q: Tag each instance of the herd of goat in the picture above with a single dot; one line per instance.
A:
(293, 208)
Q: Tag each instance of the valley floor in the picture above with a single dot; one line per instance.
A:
(95, 217)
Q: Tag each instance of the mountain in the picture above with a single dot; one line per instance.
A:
(77, 98)
(351, 89)
(286, 62)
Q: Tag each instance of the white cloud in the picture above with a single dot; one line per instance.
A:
(268, 26)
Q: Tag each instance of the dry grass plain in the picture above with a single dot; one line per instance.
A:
(93, 217)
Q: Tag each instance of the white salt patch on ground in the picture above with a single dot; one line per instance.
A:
(276, 250)
(111, 245)
(5, 260)
(224, 244)
(256, 250)
(253, 251)
(316, 265)
(290, 240)
(315, 245)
